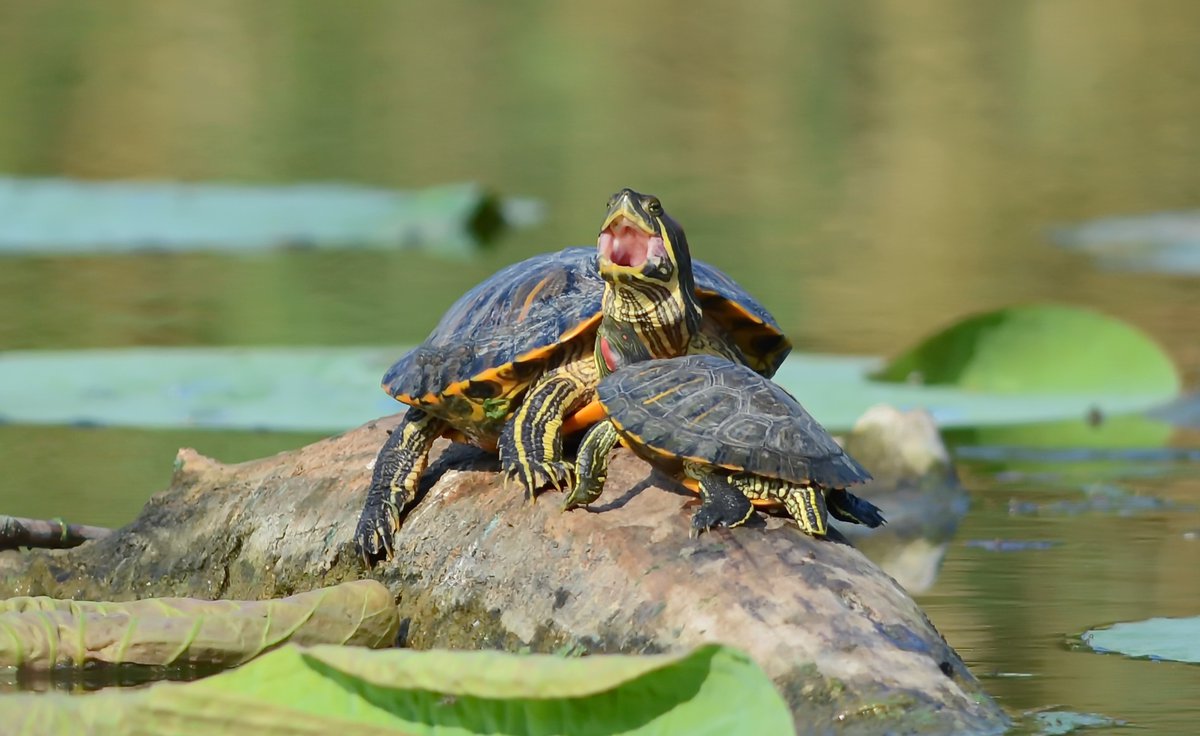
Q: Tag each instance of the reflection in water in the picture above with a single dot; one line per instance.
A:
(868, 170)
(921, 522)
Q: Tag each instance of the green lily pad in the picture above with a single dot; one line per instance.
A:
(124, 216)
(1039, 348)
(325, 389)
(1174, 639)
(710, 690)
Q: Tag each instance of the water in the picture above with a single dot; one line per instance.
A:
(871, 170)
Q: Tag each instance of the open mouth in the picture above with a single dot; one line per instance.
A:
(624, 244)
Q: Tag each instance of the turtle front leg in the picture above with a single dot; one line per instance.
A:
(398, 469)
(723, 503)
(531, 441)
(591, 464)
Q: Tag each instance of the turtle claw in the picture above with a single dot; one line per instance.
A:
(583, 494)
(375, 536)
(703, 520)
(533, 477)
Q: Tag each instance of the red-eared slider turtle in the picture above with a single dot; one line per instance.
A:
(652, 306)
(739, 436)
(512, 366)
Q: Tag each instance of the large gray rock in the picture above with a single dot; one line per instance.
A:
(478, 567)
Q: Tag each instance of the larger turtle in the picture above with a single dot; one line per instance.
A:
(741, 438)
(512, 366)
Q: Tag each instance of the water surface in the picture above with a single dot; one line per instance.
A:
(871, 170)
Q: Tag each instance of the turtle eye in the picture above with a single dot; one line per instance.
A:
(654, 207)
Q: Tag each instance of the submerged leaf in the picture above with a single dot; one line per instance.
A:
(710, 690)
(41, 633)
(1040, 348)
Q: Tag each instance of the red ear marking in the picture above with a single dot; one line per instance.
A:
(610, 360)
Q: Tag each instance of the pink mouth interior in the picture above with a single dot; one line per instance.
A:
(623, 244)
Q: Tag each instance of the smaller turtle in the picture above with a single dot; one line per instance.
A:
(741, 438)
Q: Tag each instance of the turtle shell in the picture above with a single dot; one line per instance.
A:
(747, 322)
(502, 330)
(499, 336)
(713, 412)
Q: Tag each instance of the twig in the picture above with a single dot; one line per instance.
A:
(46, 534)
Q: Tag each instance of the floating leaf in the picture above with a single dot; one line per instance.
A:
(1164, 242)
(41, 633)
(1040, 348)
(1061, 722)
(1122, 432)
(711, 690)
(123, 216)
(327, 389)
(1175, 639)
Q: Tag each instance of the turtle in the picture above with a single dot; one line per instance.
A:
(512, 367)
(740, 437)
(652, 306)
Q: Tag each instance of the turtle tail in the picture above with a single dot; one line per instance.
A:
(846, 506)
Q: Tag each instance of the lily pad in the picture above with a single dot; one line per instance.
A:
(710, 690)
(1162, 242)
(1061, 722)
(124, 216)
(326, 389)
(1040, 349)
(45, 633)
(1174, 639)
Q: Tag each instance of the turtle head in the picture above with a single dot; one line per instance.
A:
(640, 243)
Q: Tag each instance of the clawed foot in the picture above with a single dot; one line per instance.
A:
(583, 494)
(727, 511)
(375, 535)
(533, 477)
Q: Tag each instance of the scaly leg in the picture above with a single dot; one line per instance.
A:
(723, 504)
(531, 441)
(805, 503)
(848, 507)
(591, 464)
(398, 469)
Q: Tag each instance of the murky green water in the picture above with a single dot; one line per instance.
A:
(871, 170)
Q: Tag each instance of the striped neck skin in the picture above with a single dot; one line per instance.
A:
(658, 314)
(617, 345)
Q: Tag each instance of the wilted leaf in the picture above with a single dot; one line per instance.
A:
(39, 633)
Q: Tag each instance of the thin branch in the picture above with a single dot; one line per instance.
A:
(46, 534)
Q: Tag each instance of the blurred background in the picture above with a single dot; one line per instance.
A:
(870, 170)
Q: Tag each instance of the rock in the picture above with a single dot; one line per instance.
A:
(916, 487)
(901, 448)
(478, 567)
